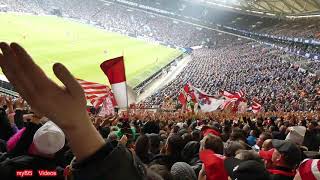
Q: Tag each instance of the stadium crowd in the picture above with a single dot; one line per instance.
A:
(119, 18)
(49, 132)
(55, 137)
(262, 73)
(58, 137)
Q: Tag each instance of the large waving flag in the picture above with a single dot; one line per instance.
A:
(186, 95)
(207, 102)
(115, 71)
(96, 93)
(235, 101)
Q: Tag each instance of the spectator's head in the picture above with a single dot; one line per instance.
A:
(151, 127)
(213, 143)
(243, 170)
(142, 145)
(186, 138)
(312, 125)
(231, 147)
(183, 171)
(237, 135)
(190, 150)
(196, 135)
(47, 140)
(267, 145)
(253, 133)
(246, 155)
(246, 129)
(159, 172)
(285, 154)
(263, 136)
(174, 145)
(162, 171)
(155, 142)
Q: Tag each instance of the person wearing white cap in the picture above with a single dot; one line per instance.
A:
(49, 139)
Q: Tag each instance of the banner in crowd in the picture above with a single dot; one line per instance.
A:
(207, 102)
(191, 96)
(107, 108)
(225, 101)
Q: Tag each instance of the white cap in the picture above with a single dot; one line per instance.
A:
(296, 134)
(49, 138)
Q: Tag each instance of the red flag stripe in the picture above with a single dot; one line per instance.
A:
(95, 92)
(93, 86)
(114, 69)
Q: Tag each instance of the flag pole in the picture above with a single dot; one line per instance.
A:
(126, 87)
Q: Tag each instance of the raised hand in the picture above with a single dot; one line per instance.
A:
(9, 104)
(19, 103)
(57, 103)
(2, 100)
(66, 106)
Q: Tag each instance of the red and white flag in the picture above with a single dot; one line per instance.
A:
(95, 93)
(233, 96)
(107, 107)
(256, 107)
(187, 94)
(227, 104)
(182, 98)
(207, 103)
(234, 101)
(115, 71)
(229, 96)
(239, 94)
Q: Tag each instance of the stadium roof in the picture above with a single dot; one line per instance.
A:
(272, 7)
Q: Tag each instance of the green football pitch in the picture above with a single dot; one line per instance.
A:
(82, 48)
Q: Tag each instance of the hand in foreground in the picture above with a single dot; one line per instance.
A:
(66, 106)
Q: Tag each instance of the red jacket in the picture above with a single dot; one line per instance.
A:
(214, 165)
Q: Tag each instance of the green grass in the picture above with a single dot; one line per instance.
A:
(82, 47)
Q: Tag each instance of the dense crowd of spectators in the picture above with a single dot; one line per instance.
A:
(266, 74)
(136, 22)
(49, 132)
(122, 19)
(295, 28)
(54, 137)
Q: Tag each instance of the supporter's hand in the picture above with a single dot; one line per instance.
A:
(106, 121)
(2, 100)
(36, 118)
(123, 140)
(66, 106)
(202, 173)
(9, 104)
(19, 103)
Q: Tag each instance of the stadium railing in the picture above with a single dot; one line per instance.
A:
(154, 76)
